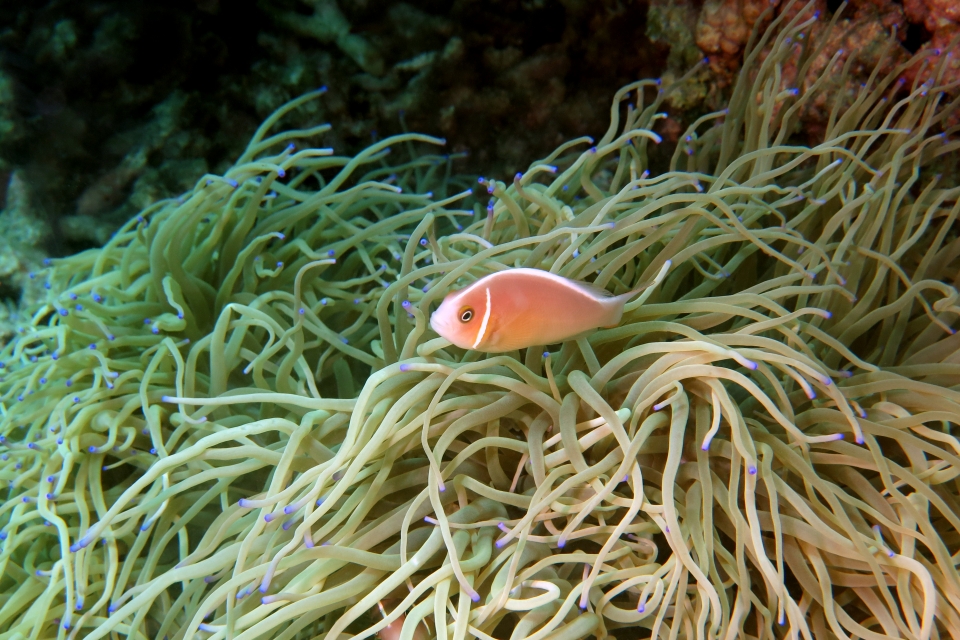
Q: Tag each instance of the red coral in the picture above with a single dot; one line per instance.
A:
(933, 14)
(723, 30)
(942, 19)
(863, 31)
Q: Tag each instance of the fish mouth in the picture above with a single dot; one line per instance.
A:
(437, 326)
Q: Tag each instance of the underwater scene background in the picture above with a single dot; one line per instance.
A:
(223, 413)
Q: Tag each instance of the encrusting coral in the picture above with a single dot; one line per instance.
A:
(232, 422)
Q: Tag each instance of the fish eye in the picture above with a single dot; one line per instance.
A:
(466, 314)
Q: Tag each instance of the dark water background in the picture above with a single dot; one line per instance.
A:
(107, 106)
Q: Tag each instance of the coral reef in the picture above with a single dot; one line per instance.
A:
(941, 19)
(110, 106)
(89, 110)
(232, 420)
(21, 255)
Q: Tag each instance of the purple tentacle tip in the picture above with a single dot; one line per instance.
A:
(269, 517)
(641, 608)
(752, 470)
(244, 503)
(561, 542)
(475, 596)
(404, 367)
(838, 436)
(859, 439)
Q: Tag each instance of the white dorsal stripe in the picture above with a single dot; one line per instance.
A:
(483, 323)
(583, 288)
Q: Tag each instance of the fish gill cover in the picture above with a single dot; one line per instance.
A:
(232, 421)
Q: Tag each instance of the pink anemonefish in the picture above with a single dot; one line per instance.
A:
(519, 308)
(392, 630)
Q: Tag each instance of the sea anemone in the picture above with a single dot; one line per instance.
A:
(233, 422)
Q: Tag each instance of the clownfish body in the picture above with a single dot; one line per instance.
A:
(393, 630)
(519, 308)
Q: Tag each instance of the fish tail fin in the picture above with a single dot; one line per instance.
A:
(647, 288)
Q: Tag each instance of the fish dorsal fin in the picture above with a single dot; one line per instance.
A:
(591, 289)
(586, 288)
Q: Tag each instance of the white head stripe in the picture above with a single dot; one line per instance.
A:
(483, 323)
